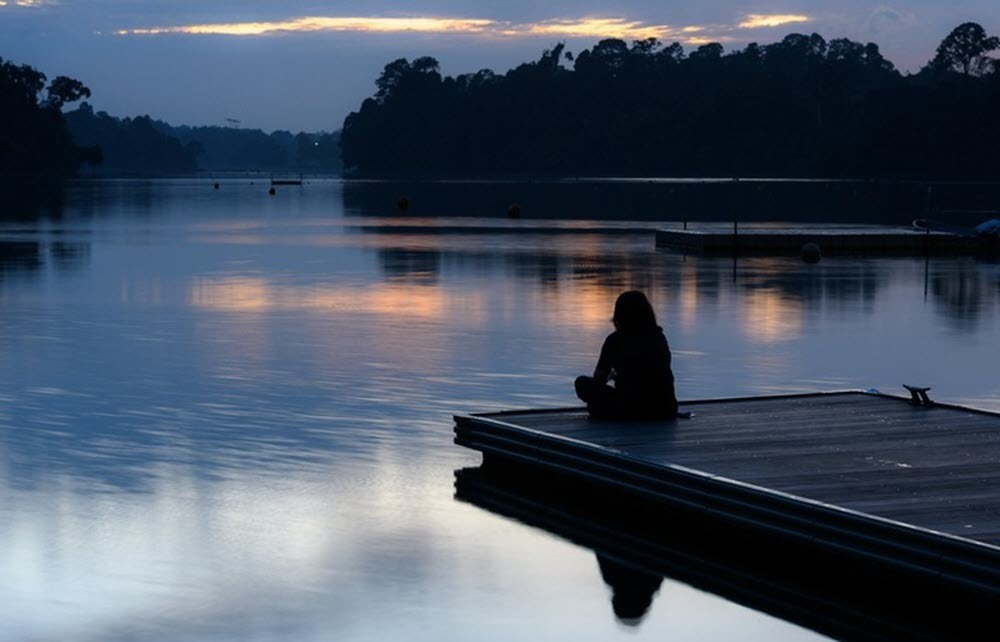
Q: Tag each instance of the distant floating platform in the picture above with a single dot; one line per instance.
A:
(879, 484)
(831, 239)
(496, 229)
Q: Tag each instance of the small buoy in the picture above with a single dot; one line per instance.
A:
(514, 211)
(215, 186)
(272, 191)
(403, 204)
(811, 253)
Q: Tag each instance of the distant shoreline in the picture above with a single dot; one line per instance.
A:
(445, 177)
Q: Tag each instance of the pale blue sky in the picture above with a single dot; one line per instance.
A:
(291, 74)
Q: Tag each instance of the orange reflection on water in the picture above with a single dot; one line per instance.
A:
(769, 317)
(252, 294)
(688, 297)
(232, 294)
(584, 304)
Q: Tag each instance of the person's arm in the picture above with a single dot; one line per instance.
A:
(603, 370)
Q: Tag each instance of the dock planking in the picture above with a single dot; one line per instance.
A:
(916, 485)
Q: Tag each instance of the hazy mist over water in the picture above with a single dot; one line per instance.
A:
(225, 415)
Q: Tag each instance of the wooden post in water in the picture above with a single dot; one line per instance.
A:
(736, 229)
(736, 225)
(927, 274)
(930, 215)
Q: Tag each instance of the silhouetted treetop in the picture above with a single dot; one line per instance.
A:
(802, 106)
(401, 76)
(34, 140)
(964, 50)
(64, 90)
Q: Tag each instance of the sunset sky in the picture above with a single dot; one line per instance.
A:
(303, 65)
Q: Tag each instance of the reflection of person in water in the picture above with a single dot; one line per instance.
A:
(636, 357)
(632, 589)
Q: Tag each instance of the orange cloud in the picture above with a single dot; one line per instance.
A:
(586, 27)
(757, 20)
(589, 27)
(318, 24)
(704, 40)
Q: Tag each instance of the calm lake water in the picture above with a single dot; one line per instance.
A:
(227, 416)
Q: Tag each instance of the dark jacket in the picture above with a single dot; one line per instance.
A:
(642, 376)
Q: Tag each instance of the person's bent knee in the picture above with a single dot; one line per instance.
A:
(583, 385)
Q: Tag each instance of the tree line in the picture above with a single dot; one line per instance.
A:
(235, 149)
(130, 146)
(144, 146)
(800, 107)
(42, 141)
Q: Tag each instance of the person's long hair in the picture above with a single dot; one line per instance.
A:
(633, 313)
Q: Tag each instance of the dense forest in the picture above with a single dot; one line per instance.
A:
(147, 147)
(130, 145)
(235, 149)
(799, 107)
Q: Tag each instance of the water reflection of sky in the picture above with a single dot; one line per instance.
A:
(226, 416)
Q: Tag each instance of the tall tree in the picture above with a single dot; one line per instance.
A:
(33, 136)
(965, 50)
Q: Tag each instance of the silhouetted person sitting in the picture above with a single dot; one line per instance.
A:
(636, 357)
(632, 589)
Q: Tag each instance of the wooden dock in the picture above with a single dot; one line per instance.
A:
(727, 239)
(882, 486)
(804, 589)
